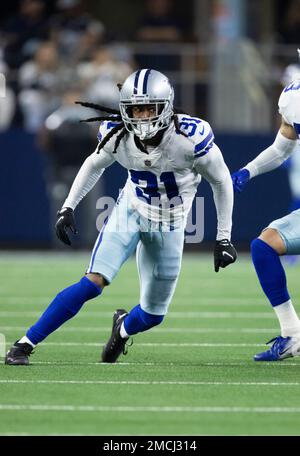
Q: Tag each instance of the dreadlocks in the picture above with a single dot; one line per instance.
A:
(120, 128)
(115, 117)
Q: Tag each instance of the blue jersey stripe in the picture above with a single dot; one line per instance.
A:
(204, 143)
(136, 81)
(111, 124)
(146, 82)
(206, 150)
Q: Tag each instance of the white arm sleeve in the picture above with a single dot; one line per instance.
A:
(213, 168)
(272, 157)
(87, 176)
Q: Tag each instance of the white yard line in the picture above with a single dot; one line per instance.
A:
(147, 344)
(147, 382)
(164, 364)
(149, 409)
(188, 315)
(24, 300)
(191, 301)
(157, 330)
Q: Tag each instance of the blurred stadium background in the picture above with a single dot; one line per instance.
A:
(226, 58)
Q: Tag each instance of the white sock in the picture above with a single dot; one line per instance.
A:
(123, 333)
(288, 319)
(27, 341)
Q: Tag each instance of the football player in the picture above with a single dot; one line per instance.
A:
(166, 154)
(281, 237)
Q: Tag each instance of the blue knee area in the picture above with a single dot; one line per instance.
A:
(270, 272)
(63, 307)
(138, 320)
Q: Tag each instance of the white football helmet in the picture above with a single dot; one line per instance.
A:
(147, 87)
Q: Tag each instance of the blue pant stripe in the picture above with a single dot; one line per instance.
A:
(98, 244)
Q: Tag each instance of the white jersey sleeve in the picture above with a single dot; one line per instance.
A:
(210, 164)
(90, 172)
(289, 105)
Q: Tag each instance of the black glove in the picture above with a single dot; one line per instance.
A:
(224, 254)
(65, 219)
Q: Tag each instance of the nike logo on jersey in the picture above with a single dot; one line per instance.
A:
(202, 131)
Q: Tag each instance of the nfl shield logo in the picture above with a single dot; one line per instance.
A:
(147, 162)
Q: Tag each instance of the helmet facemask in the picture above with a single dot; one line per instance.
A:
(146, 128)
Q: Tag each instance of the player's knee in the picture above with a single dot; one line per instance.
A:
(98, 279)
(256, 248)
(274, 240)
(151, 320)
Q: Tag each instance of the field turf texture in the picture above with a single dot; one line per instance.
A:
(192, 375)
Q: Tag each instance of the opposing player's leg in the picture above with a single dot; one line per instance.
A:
(158, 257)
(111, 249)
(281, 237)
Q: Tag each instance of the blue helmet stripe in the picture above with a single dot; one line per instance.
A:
(136, 81)
(146, 82)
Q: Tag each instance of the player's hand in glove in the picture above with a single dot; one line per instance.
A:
(65, 220)
(240, 179)
(224, 254)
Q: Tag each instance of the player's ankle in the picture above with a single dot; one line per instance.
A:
(25, 340)
(123, 332)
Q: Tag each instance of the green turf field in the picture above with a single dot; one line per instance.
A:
(193, 375)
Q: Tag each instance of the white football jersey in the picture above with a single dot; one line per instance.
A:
(162, 183)
(289, 105)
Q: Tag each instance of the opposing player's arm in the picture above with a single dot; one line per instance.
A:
(273, 157)
(269, 159)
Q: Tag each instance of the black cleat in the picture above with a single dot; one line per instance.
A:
(116, 344)
(18, 354)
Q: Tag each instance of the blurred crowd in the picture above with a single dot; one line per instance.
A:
(289, 28)
(48, 57)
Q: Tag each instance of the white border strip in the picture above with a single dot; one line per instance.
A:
(156, 330)
(250, 363)
(187, 315)
(149, 409)
(148, 382)
(148, 344)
